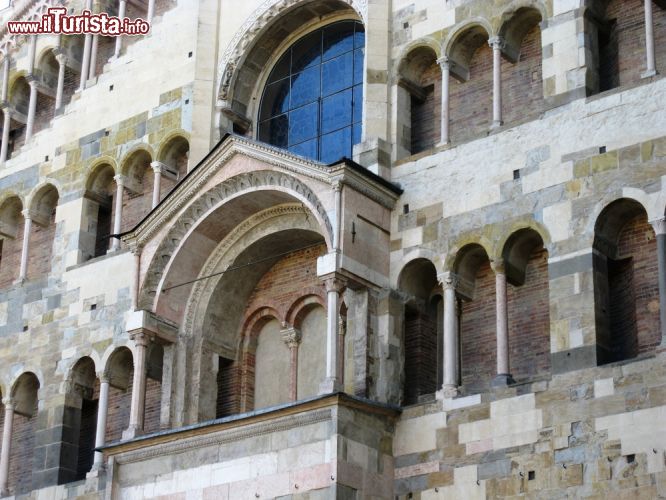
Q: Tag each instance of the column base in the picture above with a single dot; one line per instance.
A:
(131, 432)
(496, 124)
(502, 380)
(649, 73)
(447, 392)
(330, 386)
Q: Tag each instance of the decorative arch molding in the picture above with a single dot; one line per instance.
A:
(302, 305)
(251, 30)
(412, 255)
(246, 233)
(587, 238)
(510, 230)
(213, 199)
(462, 242)
(426, 42)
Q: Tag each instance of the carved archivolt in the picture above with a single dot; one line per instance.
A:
(251, 29)
(212, 199)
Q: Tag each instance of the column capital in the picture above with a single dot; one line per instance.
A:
(291, 336)
(498, 266)
(443, 63)
(659, 225)
(334, 283)
(141, 337)
(60, 57)
(448, 280)
(158, 167)
(26, 213)
(496, 42)
(120, 179)
(8, 403)
(103, 378)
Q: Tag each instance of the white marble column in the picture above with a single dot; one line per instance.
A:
(102, 411)
(118, 209)
(292, 337)
(342, 332)
(85, 63)
(151, 11)
(32, 51)
(141, 341)
(25, 249)
(62, 65)
(450, 361)
(4, 147)
(6, 446)
(651, 68)
(122, 6)
(32, 107)
(444, 129)
(659, 226)
(136, 277)
(503, 376)
(93, 57)
(331, 383)
(497, 44)
(5, 79)
(158, 168)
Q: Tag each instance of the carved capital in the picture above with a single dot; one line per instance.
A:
(496, 42)
(141, 338)
(158, 167)
(120, 179)
(443, 63)
(334, 284)
(61, 58)
(9, 403)
(659, 225)
(448, 280)
(498, 265)
(27, 214)
(291, 336)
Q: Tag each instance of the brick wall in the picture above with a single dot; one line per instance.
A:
(106, 46)
(117, 419)
(471, 102)
(522, 87)
(151, 422)
(426, 114)
(228, 401)
(137, 205)
(40, 249)
(292, 277)
(11, 257)
(529, 321)
(20, 462)
(420, 355)
(44, 112)
(638, 242)
(72, 81)
(478, 334)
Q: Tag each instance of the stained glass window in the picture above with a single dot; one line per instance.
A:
(313, 98)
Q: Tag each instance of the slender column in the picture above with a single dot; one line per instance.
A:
(157, 167)
(102, 410)
(331, 383)
(118, 215)
(93, 57)
(32, 50)
(503, 376)
(23, 270)
(119, 39)
(450, 371)
(444, 132)
(342, 332)
(292, 337)
(6, 446)
(62, 64)
(141, 340)
(136, 275)
(4, 147)
(5, 79)
(660, 230)
(32, 107)
(337, 188)
(497, 43)
(151, 10)
(85, 63)
(649, 41)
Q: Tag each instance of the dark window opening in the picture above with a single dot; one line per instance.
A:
(226, 384)
(423, 125)
(103, 230)
(87, 431)
(609, 74)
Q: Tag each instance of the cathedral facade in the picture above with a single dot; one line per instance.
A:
(350, 249)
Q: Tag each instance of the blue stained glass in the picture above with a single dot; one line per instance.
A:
(336, 111)
(337, 74)
(314, 94)
(303, 123)
(308, 149)
(304, 87)
(336, 145)
(358, 66)
(358, 103)
(338, 39)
